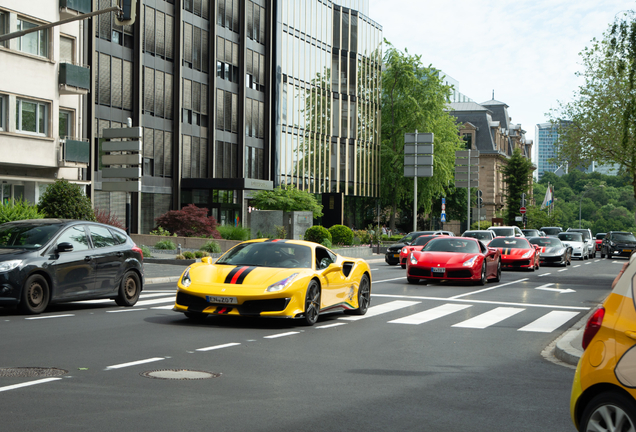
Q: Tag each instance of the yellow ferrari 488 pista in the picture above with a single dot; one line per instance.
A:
(275, 278)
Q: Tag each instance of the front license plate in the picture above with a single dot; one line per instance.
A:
(222, 300)
(438, 269)
(396, 255)
(627, 250)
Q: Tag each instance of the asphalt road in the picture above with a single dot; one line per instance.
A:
(435, 357)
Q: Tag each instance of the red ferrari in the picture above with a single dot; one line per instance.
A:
(517, 252)
(417, 245)
(454, 258)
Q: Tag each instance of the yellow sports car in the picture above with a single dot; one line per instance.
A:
(276, 278)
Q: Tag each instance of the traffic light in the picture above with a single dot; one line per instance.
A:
(127, 14)
(525, 218)
(480, 202)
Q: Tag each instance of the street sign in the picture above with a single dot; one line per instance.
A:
(443, 218)
(474, 161)
(518, 218)
(443, 200)
(443, 207)
(122, 160)
(464, 183)
(418, 160)
(423, 138)
(422, 171)
(464, 176)
(522, 210)
(422, 149)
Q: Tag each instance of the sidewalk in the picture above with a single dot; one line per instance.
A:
(569, 347)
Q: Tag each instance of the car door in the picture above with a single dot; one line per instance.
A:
(73, 270)
(490, 257)
(332, 277)
(109, 260)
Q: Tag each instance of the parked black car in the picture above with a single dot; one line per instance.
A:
(618, 243)
(392, 256)
(45, 261)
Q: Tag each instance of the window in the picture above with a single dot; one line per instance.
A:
(4, 24)
(67, 49)
(76, 236)
(102, 237)
(66, 123)
(31, 116)
(3, 105)
(35, 43)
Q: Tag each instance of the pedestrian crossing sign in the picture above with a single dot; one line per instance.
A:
(443, 217)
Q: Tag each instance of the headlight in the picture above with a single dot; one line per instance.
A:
(560, 251)
(6, 266)
(413, 259)
(185, 279)
(404, 250)
(470, 262)
(612, 244)
(527, 254)
(281, 284)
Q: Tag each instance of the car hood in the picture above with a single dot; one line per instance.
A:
(513, 252)
(206, 277)
(9, 253)
(551, 250)
(574, 244)
(442, 259)
(395, 247)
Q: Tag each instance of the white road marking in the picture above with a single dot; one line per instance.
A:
(381, 309)
(488, 289)
(170, 306)
(489, 318)
(135, 363)
(26, 384)
(563, 270)
(50, 316)
(331, 325)
(281, 335)
(546, 287)
(431, 314)
(155, 301)
(588, 263)
(374, 269)
(544, 274)
(578, 265)
(597, 260)
(389, 280)
(127, 310)
(549, 322)
(210, 348)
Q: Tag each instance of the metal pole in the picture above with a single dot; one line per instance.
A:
(468, 222)
(478, 212)
(415, 188)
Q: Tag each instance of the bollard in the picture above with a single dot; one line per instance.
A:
(179, 249)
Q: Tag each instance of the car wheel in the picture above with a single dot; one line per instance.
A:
(196, 316)
(35, 295)
(609, 412)
(364, 297)
(498, 277)
(609, 255)
(129, 290)
(483, 279)
(404, 266)
(412, 280)
(312, 303)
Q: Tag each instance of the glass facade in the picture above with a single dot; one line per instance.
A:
(328, 119)
(545, 135)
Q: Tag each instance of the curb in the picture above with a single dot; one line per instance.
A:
(564, 350)
(157, 280)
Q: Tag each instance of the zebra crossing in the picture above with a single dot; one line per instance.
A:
(547, 322)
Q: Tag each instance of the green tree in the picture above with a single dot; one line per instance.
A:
(603, 112)
(414, 98)
(287, 199)
(64, 200)
(516, 176)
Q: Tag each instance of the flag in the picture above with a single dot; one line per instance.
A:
(547, 201)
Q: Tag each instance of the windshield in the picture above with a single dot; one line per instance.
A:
(268, 254)
(623, 237)
(503, 232)
(575, 237)
(28, 236)
(546, 241)
(455, 244)
(531, 233)
(551, 231)
(422, 240)
(600, 236)
(510, 243)
(585, 233)
(480, 235)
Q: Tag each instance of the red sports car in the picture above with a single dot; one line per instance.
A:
(454, 258)
(517, 252)
(417, 245)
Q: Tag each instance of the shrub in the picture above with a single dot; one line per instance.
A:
(363, 236)
(190, 221)
(482, 225)
(161, 232)
(326, 243)
(317, 233)
(211, 247)
(341, 235)
(19, 210)
(66, 200)
(281, 232)
(188, 255)
(165, 245)
(179, 257)
(146, 251)
(229, 232)
(108, 218)
(200, 254)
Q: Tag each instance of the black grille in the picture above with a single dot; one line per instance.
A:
(415, 271)
(255, 307)
(552, 259)
(459, 274)
(194, 303)
(519, 263)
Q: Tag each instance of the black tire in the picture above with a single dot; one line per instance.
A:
(196, 316)
(612, 407)
(483, 279)
(602, 254)
(498, 278)
(412, 280)
(36, 295)
(129, 290)
(364, 296)
(312, 304)
(609, 255)
(404, 266)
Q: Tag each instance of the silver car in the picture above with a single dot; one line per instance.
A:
(588, 238)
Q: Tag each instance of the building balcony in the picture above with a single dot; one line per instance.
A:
(71, 8)
(74, 79)
(74, 152)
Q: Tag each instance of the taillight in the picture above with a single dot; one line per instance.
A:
(593, 326)
(137, 249)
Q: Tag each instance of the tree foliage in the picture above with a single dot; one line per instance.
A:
(414, 98)
(64, 200)
(19, 210)
(287, 198)
(190, 221)
(598, 125)
(516, 174)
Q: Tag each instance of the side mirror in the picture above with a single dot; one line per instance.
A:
(324, 263)
(206, 260)
(492, 250)
(64, 247)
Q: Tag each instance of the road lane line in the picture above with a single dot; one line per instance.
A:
(489, 318)
(431, 314)
(50, 316)
(215, 347)
(381, 309)
(127, 310)
(26, 384)
(544, 274)
(549, 322)
(597, 260)
(280, 335)
(563, 270)
(388, 280)
(578, 265)
(331, 325)
(135, 363)
(169, 307)
(588, 263)
(155, 301)
(488, 289)
(446, 299)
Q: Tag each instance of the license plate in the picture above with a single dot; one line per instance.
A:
(396, 255)
(438, 269)
(627, 250)
(222, 300)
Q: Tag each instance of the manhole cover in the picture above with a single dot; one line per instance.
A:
(179, 374)
(31, 372)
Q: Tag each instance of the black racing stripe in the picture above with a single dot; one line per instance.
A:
(241, 278)
(230, 275)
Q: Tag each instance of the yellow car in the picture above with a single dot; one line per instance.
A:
(604, 389)
(275, 278)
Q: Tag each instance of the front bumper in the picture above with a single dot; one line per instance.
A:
(392, 257)
(451, 273)
(621, 250)
(552, 259)
(515, 262)
(187, 302)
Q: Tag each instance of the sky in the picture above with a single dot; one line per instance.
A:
(526, 51)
